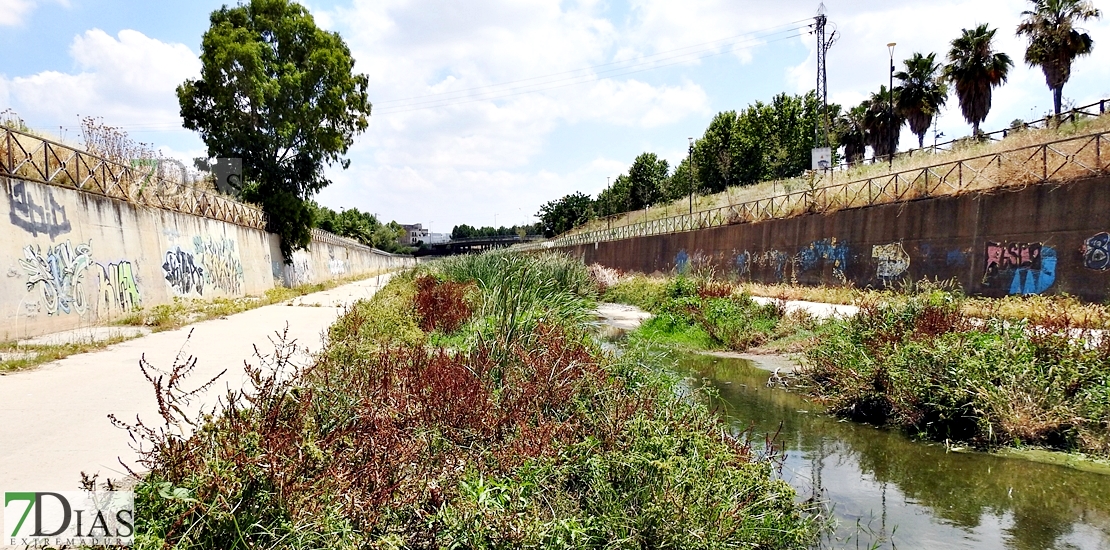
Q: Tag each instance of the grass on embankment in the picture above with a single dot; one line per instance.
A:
(916, 361)
(523, 434)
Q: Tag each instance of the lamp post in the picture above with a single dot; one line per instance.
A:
(690, 162)
(890, 114)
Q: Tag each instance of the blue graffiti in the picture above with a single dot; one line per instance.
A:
(827, 250)
(682, 261)
(1030, 280)
(956, 258)
(743, 262)
(1096, 252)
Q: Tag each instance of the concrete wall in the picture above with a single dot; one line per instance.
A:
(1043, 239)
(332, 257)
(74, 259)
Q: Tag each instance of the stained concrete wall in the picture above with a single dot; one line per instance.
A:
(1043, 239)
(75, 259)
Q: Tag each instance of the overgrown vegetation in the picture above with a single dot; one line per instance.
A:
(702, 313)
(991, 372)
(524, 434)
(923, 364)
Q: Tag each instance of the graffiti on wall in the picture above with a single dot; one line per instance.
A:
(1096, 252)
(1021, 268)
(219, 262)
(827, 251)
(892, 260)
(337, 266)
(182, 272)
(300, 271)
(58, 273)
(37, 214)
(119, 290)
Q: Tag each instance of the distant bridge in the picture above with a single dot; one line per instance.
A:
(478, 244)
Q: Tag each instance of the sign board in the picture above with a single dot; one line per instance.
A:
(822, 158)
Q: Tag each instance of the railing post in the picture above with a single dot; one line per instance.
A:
(1044, 162)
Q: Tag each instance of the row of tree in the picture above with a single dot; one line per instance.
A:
(467, 232)
(363, 227)
(774, 140)
(973, 70)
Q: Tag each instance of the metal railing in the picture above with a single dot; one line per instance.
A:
(1074, 114)
(29, 157)
(1063, 159)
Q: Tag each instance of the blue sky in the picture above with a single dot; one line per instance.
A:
(475, 159)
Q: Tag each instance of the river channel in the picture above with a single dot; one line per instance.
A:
(889, 491)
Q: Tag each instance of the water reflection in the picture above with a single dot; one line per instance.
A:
(886, 487)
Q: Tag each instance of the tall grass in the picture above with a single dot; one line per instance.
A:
(924, 365)
(532, 440)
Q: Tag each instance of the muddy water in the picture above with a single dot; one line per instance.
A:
(890, 491)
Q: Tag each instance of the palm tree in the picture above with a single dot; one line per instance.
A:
(851, 132)
(882, 125)
(921, 94)
(975, 68)
(1054, 42)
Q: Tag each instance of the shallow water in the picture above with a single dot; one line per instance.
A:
(889, 490)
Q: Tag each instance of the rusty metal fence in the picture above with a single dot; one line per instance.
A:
(1056, 161)
(32, 158)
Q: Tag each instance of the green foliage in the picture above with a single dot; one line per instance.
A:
(921, 364)
(921, 93)
(279, 93)
(560, 216)
(974, 68)
(646, 293)
(1054, 42)
(467, 232)
(883, 122)
(647, 177)
(363, 227)
(536, 441)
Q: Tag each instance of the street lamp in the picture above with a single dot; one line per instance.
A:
(890, 114)
(690, 163)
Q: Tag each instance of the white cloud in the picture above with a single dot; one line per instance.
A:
(12, 12)
(129, 80)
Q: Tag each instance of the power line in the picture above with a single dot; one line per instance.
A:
(585, 79)
(747, 36)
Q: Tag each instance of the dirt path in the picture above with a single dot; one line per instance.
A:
(54, 420)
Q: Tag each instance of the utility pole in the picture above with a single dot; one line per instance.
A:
(890, 113)
(690, 162)
(823, 45)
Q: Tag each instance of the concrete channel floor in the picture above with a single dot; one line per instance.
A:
(54, 419)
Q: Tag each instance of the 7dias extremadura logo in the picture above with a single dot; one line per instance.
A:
(69, 518)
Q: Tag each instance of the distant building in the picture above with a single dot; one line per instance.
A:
(436, 238)
(414, 235)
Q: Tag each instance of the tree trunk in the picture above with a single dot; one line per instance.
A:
(921, 140)
(975, 129)
(1057, 97)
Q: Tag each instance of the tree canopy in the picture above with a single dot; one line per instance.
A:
(363, 227)
(975, 68)
(281, 94)
(1054, 42)
(562, 215)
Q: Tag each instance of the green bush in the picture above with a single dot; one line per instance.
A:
(921, 364)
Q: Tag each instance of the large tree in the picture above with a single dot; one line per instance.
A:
(921, 93)
(851, 132)
(281, 94)
(1054, 42)
(647, 176)
(562, 215)
(883, 124)
(974, 68)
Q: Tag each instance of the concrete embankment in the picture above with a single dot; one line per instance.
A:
(76, 259)
(54, 420)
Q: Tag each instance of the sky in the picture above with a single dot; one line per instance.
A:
(486, 109)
